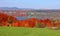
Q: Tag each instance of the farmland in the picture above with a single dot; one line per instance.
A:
(20, 31)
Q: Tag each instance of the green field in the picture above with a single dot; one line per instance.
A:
(17, 31)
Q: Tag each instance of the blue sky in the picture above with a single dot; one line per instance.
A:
(34, 4)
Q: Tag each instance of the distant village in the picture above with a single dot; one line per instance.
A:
(39, 14)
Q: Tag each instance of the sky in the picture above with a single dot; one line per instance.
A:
(33, 4)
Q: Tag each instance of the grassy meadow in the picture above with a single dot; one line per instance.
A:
(20, 31)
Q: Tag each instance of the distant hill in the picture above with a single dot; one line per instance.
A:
(14, 8)
(35, 10)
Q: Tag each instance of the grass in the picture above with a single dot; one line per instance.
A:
(17, 31)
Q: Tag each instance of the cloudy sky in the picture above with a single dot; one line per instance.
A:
(34, 4)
